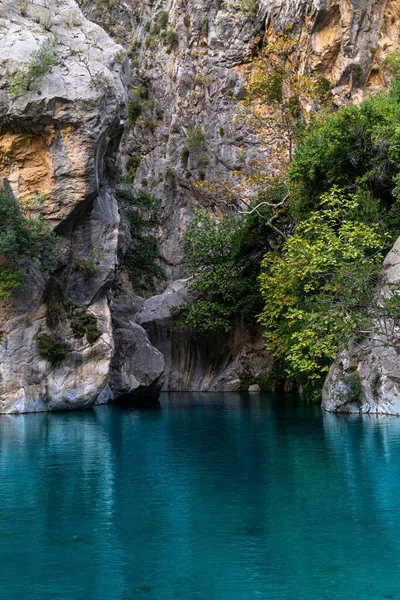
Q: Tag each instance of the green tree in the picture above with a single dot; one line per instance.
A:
(358, 147)
(317, 292)
(224, 259)
(41, 62)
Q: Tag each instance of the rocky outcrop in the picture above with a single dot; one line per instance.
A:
(189, 63)
(196, 362)
(137, 368)
(365, 378)
(58, 143)
(195, 79)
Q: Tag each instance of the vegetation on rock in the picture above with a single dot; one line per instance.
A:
(41, 62)
(89, 265)
(142, 212)
(52, 348)
(85, 323)
(22, 238)
(325, 213)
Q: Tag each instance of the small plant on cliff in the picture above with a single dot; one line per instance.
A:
(249, 7)
(196, 146)
(132, 165)
(163, 19)
(85, 323)
(52, 349)
(89, 265)
(170, 39)
(53, 297)
(22, 238)
(142, 212)
(204, 27)
(23, 7)
(41, 62)
(136, 96)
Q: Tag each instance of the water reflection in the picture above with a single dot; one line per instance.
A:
(214, 496)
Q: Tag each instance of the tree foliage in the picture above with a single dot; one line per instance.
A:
(224, 259)
(356, 148)
(21, 238)
(317, 291)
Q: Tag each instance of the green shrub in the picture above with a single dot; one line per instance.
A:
(186, 21)
(21, 238)
(204, 27)
(41, 62)
(249, 7)
(163, 19)
(149, 124)
(89, 265)
(142, 212)
(170, 39)
(23, 7)
(150, 42)
(195, 141)
(85, 323)
(185, 157)
(53, 297)
(52, 349)
(352, 383)
(137, 95)
(132, 165)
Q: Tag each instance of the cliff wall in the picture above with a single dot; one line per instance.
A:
(58, 145)
(123, 103)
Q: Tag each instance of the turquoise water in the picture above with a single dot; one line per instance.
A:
(212, 497)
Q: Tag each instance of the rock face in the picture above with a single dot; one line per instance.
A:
(137, 368)
(59, 142)
(366, 377)
(195, 362)
(194, 81)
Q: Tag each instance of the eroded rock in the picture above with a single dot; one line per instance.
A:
(201, 362)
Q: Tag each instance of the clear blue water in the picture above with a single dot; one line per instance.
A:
(218, 497)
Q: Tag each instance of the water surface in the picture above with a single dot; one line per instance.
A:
(212, 497)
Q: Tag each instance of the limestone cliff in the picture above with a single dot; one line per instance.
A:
(193, 81)
(59, 142)
(191, 59)
(177, 65)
